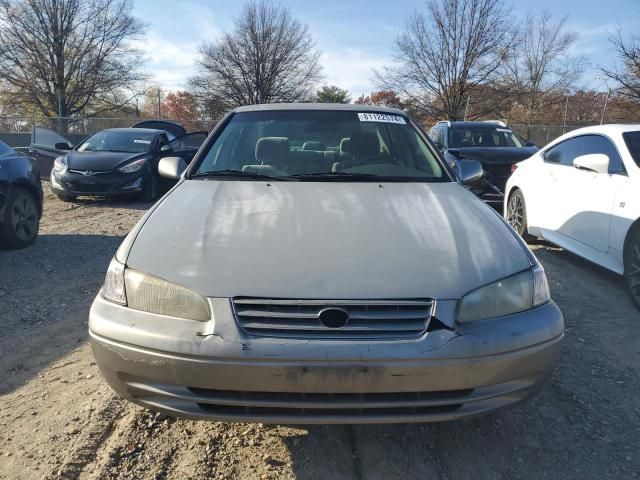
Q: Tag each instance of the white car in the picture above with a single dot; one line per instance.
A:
(581, 192)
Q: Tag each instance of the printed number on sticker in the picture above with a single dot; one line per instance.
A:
(381, 117)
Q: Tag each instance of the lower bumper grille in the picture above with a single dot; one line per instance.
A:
(288, 407)
(363, 319)
(88, 187)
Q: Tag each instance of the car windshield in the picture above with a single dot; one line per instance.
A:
(632, 139)
(118, 141)
(319, 145)
(482, 136)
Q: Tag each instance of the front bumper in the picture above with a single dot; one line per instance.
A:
(98, 184)
(177, 367)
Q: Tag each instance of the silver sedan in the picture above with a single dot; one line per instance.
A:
(321, 264)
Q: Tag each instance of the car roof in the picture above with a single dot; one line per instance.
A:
(606, 129)
(349, 107)
(610, 130)
(141, 130)
(475, 124)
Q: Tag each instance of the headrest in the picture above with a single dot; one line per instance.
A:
(271, 150)
(364, 144)
(345, 145)
(314, 145)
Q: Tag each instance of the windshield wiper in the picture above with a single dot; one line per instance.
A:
(339, 176)
(365, 177)
(231, 172)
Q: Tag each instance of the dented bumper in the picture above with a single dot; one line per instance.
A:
(217, 372)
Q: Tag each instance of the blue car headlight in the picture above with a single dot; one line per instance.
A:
(133, 166)
(60, 164)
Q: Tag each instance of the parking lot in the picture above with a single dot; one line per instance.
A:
(60, 420)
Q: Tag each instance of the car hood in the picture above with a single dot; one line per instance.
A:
(326, 240)
(99, 160)
(494, 154)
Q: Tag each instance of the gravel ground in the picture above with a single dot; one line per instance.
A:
(60, 420)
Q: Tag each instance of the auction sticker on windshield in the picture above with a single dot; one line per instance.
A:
(381, 117)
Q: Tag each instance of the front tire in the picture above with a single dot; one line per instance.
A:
(517, 214)
(632, 267)
(150, 192)
(19, 227)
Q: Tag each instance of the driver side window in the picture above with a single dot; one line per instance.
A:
(566, 152)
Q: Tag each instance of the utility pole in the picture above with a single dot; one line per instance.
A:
(159, 102)
(60, 107)
(604, 109)
(466, 109)
(566, 109)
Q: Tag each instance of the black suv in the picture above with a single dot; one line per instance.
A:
(20, 198)
(491, 143)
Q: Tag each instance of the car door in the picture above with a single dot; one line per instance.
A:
(186, 146)
(589, 206)
(45, 147)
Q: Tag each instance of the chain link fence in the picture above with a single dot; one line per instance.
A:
(16, 131)
(543, 134)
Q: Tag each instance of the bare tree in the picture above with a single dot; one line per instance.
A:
(268, 57)
(444, 54)
(628, 78)
(68, 56)
(540, 71)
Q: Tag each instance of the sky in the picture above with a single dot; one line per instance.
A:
(355, 37)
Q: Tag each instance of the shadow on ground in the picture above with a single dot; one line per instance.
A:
(46, 291)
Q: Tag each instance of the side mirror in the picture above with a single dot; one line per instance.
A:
(172, 167)
(531, 144)
(166, 149)
(469, 171)
(62, 146)
(594, 162)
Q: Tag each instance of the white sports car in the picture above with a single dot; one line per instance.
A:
(581, 193)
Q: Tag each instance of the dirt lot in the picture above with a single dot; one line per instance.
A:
(59, 419)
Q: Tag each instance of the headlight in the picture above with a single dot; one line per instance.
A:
(133, 166)
(154, 295)
(147, 293)
(60, 164)
(514, 294)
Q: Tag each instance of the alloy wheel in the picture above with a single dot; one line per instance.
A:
(632, 269)
(515, 212)
(24, 217)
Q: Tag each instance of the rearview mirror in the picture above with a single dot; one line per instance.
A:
(172, 167)
(594, 162)
(62, 146)
(439, 146)
(469, 171)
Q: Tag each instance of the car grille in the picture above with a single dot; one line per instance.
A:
(92, 172)
(301, 318)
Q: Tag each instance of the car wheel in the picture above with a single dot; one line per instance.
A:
(66, 198)
(21, 221)
(632, 267)
(150, 192)
(517, 214)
